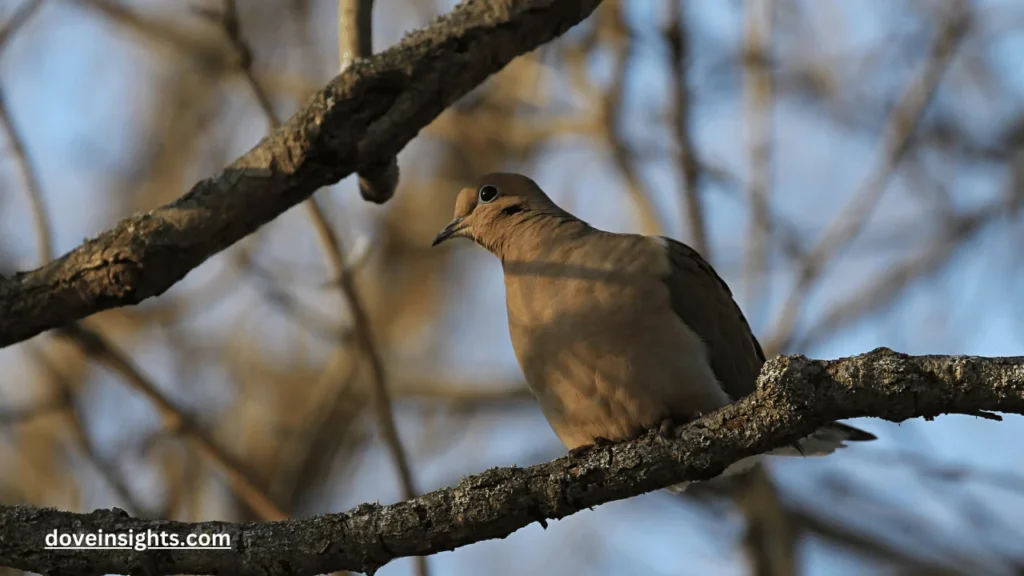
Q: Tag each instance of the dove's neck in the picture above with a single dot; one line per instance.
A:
(533, 234)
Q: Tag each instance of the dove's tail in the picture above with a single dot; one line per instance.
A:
(825, 440)
(822, 442)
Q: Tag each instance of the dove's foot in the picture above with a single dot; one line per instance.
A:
(599, 442)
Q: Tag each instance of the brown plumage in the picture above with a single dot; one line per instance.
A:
(615, 333)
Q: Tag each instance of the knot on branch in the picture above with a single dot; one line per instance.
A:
(788, 380)
(377, 184)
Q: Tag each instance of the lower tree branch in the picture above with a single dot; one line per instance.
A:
(363, 117)
(795, 395)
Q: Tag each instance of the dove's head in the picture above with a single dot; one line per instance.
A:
(488, 211)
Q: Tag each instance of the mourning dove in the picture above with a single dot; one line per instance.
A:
(615, 333)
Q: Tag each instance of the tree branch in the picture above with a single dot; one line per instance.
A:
(363, 117)
(355, 40)
(760, 102)
(795, 395)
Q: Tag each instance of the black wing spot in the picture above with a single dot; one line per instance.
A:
(513, 209)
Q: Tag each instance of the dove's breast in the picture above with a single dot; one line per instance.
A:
(594, 331)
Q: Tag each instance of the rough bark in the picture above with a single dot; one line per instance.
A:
(362, 118)
(795, 395)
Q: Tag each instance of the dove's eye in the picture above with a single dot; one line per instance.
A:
(487, 193)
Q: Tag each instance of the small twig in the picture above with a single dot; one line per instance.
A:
(330, 404)
(812, 522)
(279, 298)
(345, 278)
(462, 393)
(677, 36)
(106, 469)
(30, 183)
(151, 29)
(898, 277)
(355, 31)
(18, 415)
(771, 536)
(611, 112)
(21, 14)
(175, 419)
(228, 21)
(364, 339)
(759, 98)
(896, 139)
(954, 473)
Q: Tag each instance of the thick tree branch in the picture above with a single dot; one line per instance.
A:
(363, 117)
(795, 395)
